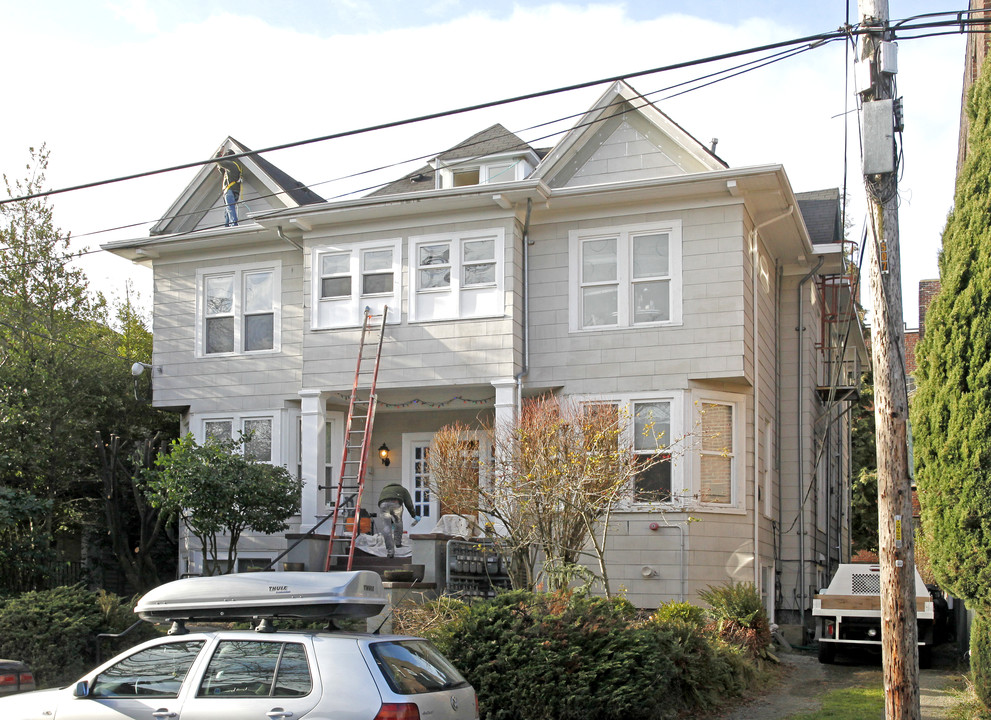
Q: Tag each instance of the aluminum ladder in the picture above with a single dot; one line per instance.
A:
(357, 440)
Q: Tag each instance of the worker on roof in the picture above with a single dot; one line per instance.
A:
(230, 192)
(393, 498)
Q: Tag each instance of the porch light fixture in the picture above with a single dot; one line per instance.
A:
(384, 454)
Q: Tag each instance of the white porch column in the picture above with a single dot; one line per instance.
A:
(505, 402)
(312, 454)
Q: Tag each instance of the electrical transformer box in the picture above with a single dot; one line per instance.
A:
(879, 137)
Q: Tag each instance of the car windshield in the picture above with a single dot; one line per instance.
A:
(414, 666)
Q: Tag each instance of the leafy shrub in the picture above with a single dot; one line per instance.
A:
(54, 631)
(559, 656)
(686, 612)
(567, 655)
(740, 616)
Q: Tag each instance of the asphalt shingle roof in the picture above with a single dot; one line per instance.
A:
(821, 211)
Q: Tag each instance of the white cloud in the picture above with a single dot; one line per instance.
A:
(137, 14)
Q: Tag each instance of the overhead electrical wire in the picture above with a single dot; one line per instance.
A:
(831, 35)
(713, 77)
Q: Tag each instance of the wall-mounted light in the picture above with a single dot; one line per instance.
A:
(384, 454)
(137, 369)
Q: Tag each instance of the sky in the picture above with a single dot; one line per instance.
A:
(115, 87)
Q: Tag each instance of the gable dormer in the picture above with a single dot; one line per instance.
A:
(624, 138)
(264, 187)
(494, 155)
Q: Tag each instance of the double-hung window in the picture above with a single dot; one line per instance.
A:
(259, 431)
(238, 310)
(457, 275)
(626, 277)
(347, 278)
(651, 441)
(717, 449)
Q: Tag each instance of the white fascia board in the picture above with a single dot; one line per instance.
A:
(422, 202)
(237, 238)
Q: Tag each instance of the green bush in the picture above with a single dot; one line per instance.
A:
(560, 656)
(980, 657)
(692, 614)
(740, 616)
(54, 631)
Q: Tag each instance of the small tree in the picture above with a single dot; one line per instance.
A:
(559, 472)
(214, 489)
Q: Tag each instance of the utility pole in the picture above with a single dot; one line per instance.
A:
(899, 629)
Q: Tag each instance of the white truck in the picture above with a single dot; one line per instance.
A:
(850, 613)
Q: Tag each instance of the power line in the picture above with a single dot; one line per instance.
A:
(713, 77)
(446, 113)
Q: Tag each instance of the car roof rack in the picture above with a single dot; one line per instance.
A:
(264, 596)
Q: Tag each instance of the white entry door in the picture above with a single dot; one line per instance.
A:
(416, 479)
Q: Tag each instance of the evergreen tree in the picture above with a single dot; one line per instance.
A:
(951, 409)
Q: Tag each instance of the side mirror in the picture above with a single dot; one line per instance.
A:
(81, 690)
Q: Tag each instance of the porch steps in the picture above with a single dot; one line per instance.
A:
(357, 439)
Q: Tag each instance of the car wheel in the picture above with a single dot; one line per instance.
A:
(827, 653)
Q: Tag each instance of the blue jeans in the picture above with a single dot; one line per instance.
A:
(230, 212)
(391, 517)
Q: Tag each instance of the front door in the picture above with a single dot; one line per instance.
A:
(416, 479)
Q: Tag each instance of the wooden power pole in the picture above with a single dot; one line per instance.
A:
(899, 629)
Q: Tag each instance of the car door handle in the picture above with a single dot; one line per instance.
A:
(164, 713)
(279, 713)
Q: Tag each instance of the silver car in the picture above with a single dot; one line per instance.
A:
(239, 675)
(266, 675)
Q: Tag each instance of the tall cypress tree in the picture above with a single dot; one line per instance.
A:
(951, 409)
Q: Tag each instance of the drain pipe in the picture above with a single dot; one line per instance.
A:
(289, 240)
(801, 444)
(526, 305)
(779, 278)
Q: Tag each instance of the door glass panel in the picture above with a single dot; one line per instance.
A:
(156, 671)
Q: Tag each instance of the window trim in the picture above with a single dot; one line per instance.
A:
(238, 272)
(457, 288)
(625, 282)
(356, 301)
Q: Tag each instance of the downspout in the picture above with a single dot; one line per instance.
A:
(289, 240)
(801, 443)
(779, 278)
(754, 255)
(526, 305)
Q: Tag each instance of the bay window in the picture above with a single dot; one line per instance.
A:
(457, 275)
(347, 278)
(258, 429)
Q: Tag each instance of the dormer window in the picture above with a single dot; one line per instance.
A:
(483, 171)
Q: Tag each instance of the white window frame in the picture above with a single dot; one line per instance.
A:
(455, 300)
(238, 273)
(625, 281)
(737, 455)
(238, 421)
(349, 311)
(490, 171)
